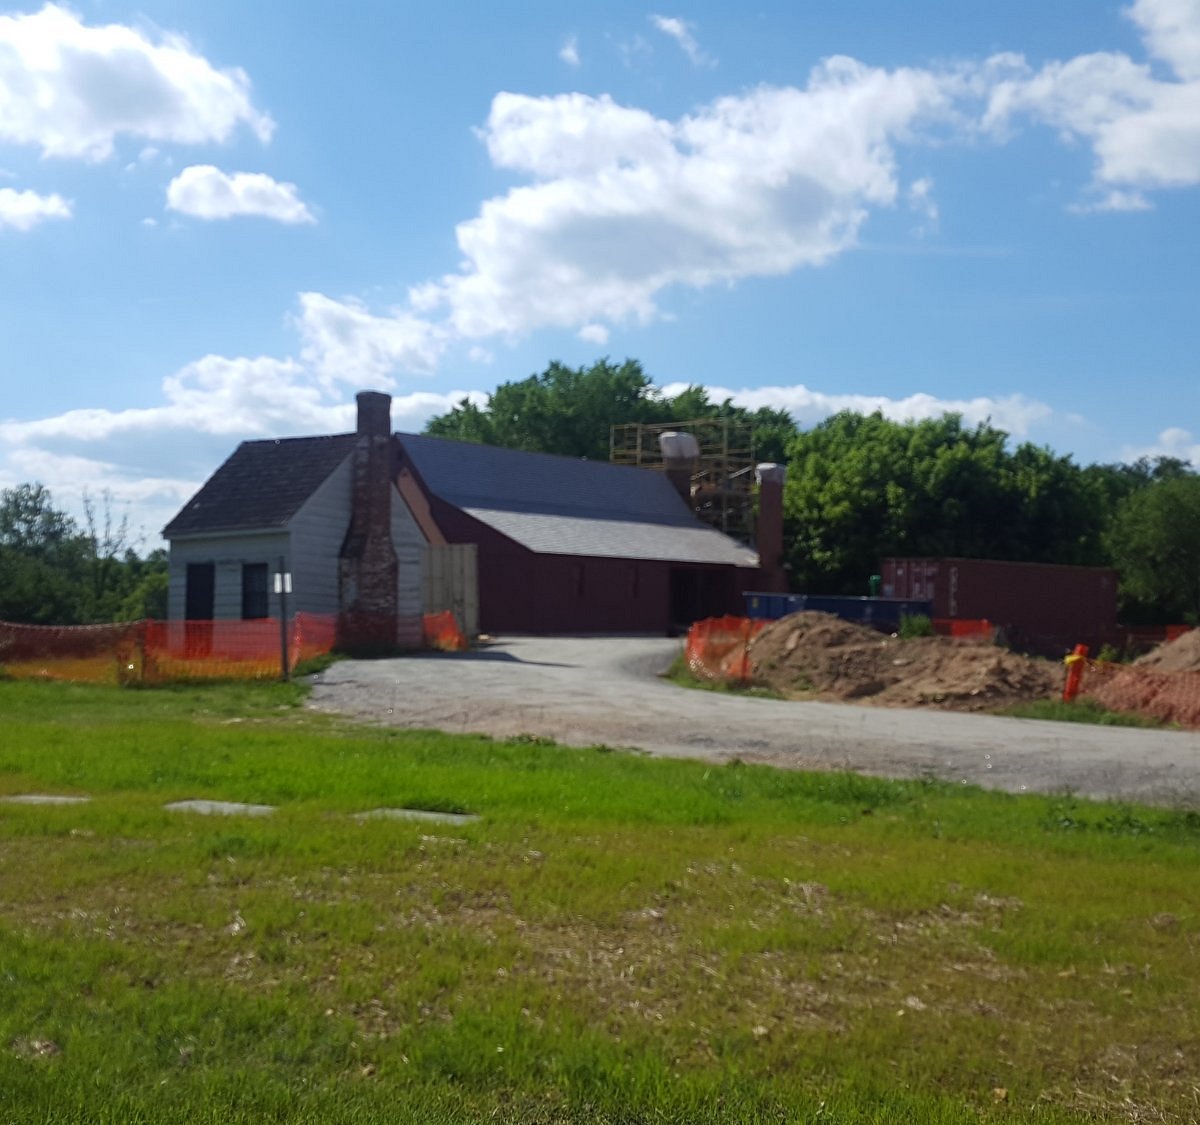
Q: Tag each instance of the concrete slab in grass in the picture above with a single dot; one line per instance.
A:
(423, 815)
(44, 799)
(220, 808)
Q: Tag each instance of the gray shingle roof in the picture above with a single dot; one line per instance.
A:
(568, 506)
(616, 539)
(261, 486)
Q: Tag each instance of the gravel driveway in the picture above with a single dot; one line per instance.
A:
(605, 690)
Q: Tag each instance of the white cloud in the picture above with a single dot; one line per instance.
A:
(621, 205)
(594, 334)
(1171, 29)
(921, 201)
(72, 89)
(624, 204)
(23, 210)
(1114, 200)
(206, 192)
(569, 51)
(156, 457)
(1173, 442)
(681, 32)
(345, 343)
(1144, 130)
(1015, 414)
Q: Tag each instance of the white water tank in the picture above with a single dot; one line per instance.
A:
(679, 447)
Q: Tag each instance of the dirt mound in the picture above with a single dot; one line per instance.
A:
(1179, 655)
(1164, 684)
(820, 656)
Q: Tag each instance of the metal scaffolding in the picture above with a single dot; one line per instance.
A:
(722, 484)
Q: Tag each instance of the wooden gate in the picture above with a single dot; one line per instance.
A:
(450, 581)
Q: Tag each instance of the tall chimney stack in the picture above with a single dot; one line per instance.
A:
(769, 528)
(368, 571)
(680, 453)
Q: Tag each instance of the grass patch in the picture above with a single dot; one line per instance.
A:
(618, 939)
(679, 673)
(1081, 710)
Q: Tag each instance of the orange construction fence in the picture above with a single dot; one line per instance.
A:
(963, 627)
(164, 651)
(232, 650)
(719, 647)
(441, 631)
(1169, 697)
(82, 653)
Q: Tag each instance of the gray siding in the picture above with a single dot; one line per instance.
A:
(228, 553)
(318, 529)
(310, 547)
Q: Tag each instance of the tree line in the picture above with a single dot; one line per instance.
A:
(54, 571)
(862, 488)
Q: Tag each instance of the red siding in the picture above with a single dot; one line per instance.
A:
(521, 591)
(1042, 607)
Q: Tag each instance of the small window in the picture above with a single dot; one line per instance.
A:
(254, 591)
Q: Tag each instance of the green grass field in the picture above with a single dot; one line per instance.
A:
(617, 939)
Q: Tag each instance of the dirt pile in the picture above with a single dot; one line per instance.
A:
(820, 656)
(1164, 684)
(1179, 655)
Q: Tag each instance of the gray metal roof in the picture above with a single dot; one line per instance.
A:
(261, 486)
(551, 534)
(570, 506)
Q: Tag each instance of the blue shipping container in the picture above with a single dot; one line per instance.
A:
(879, 613)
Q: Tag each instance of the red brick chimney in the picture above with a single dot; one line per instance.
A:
(368, 571)
(769, 528)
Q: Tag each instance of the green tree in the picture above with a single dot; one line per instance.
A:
(570, 411)
(52, 573)
(563, 410)
(41, 557)
(863, 487)
(145, 587)
(30, 523)
(1155, 543)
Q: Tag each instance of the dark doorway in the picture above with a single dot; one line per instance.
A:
(201, 585)
(697, 593)
(198, 608)
(687, 596)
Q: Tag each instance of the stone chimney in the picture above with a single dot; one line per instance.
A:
(769, 529)
(368, 571)
(680, 453)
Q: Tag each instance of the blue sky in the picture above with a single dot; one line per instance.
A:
(218, 221)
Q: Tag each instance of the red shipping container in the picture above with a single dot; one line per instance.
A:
(1041, 607)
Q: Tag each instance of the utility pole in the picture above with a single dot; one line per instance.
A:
(283, 587)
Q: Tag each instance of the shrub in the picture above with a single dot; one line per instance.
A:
(915, 625)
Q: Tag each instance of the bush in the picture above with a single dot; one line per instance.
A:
(915, 625)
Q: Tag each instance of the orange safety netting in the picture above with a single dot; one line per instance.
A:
(441, 631)
(164, 651)
(98, 654)
(962, 627)
(719, 647)
(232, 650)
(1170, 697)
(161, 651)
